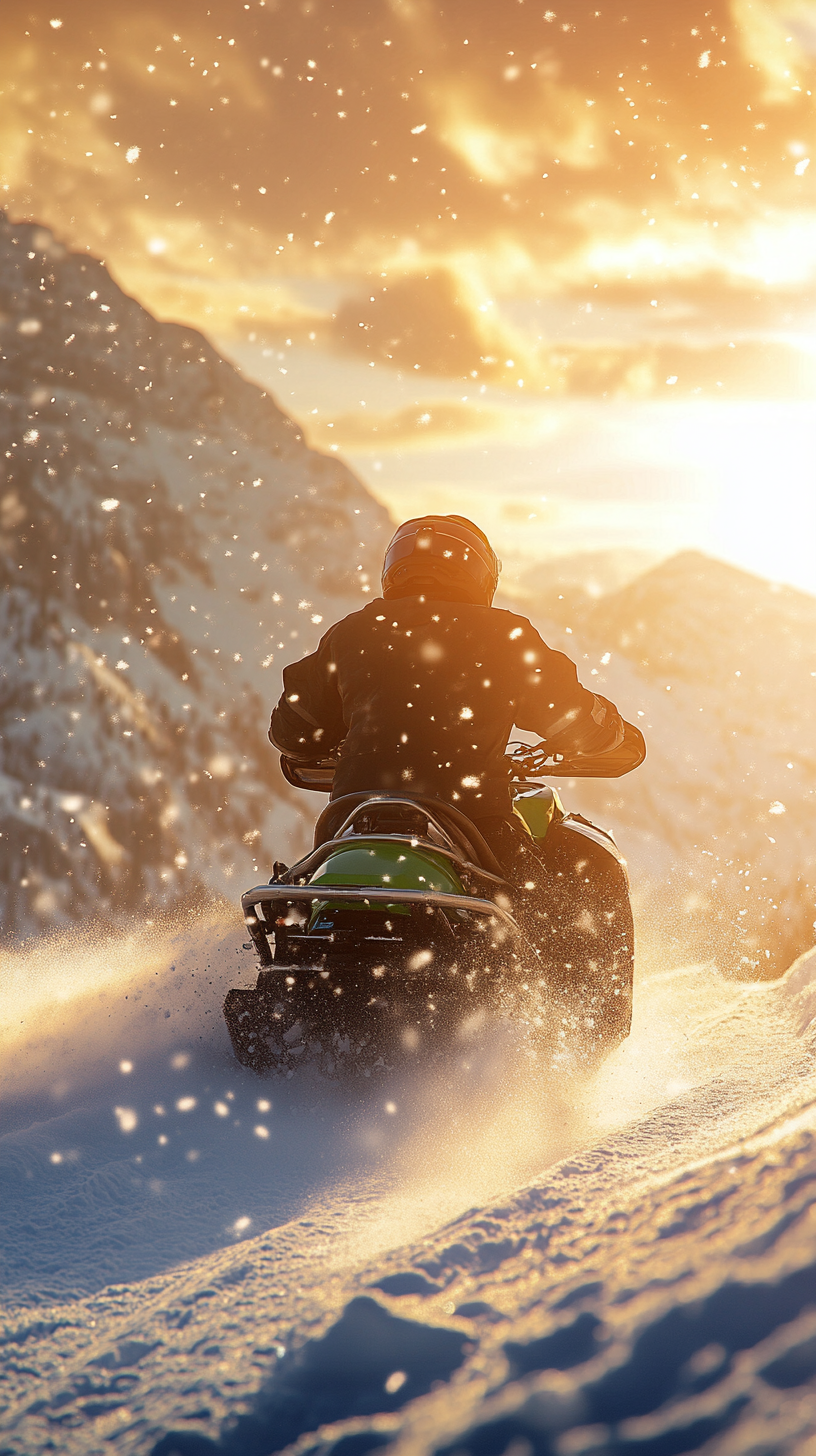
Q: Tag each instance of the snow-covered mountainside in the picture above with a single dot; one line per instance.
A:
(719, 668)
(167, 540)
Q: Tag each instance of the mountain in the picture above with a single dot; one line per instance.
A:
(719, 668)
(565, 588)
(167, 541)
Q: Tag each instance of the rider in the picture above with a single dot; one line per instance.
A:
(418, 693)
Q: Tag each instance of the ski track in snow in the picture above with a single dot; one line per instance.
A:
(485, 1260)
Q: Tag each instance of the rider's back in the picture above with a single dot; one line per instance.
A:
(423, 696)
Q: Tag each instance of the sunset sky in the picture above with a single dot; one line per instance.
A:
(551, 267)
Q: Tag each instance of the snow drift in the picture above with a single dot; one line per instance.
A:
(200, 1262)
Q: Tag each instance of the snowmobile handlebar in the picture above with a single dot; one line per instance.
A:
(316, 773)
(531, 761)
(528, 762)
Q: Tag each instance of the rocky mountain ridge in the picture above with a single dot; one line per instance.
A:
(166, 540)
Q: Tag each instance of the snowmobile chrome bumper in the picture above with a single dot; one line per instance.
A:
(259, 925)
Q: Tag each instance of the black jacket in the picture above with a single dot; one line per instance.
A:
(423, 696)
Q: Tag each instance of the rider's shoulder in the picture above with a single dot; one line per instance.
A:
(370, 612)
(511, 623)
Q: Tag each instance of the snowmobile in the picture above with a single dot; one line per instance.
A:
(398, 931)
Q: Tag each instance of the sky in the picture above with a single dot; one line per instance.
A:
(550, 267)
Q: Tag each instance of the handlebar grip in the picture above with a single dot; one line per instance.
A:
(316, 774)
(612, 764)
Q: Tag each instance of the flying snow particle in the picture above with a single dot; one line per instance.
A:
(55, 24)
(801, 167)
(132, 154)
(704, 60)
(56, 1158)
(419, 959)
(127, 1119)
(395, 1381)
(186, 1104)
(415, 130)
(125, 1068)
(31, 437)
(109, 505)
(241, 1225)
(221, 766)
(261, 1131)
(221, 1109)
(156, 245)
(777, 808)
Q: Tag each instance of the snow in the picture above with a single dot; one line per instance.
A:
(455, 1258)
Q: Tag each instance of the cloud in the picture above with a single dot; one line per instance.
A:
(747, 369)
(225, 307)
(433, 322)
(423, 426)
(469, 153)
(778, 37)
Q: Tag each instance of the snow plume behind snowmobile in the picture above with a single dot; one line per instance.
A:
(397, 931)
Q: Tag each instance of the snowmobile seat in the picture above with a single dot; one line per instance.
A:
(393, 815)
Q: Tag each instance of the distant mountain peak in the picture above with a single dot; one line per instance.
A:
(705, 619)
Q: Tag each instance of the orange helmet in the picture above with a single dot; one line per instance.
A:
(442, 557)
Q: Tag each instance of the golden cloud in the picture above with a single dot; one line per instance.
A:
(213, 156)
(779, 38)
(424, 426)
(434, 322)
(745, 370)
(224, 307)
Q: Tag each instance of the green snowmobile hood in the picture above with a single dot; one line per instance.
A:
(377, 862)
(380, 863)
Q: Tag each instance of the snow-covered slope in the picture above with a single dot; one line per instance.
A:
(493, 1263)
(167, 540)
(719, 669)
